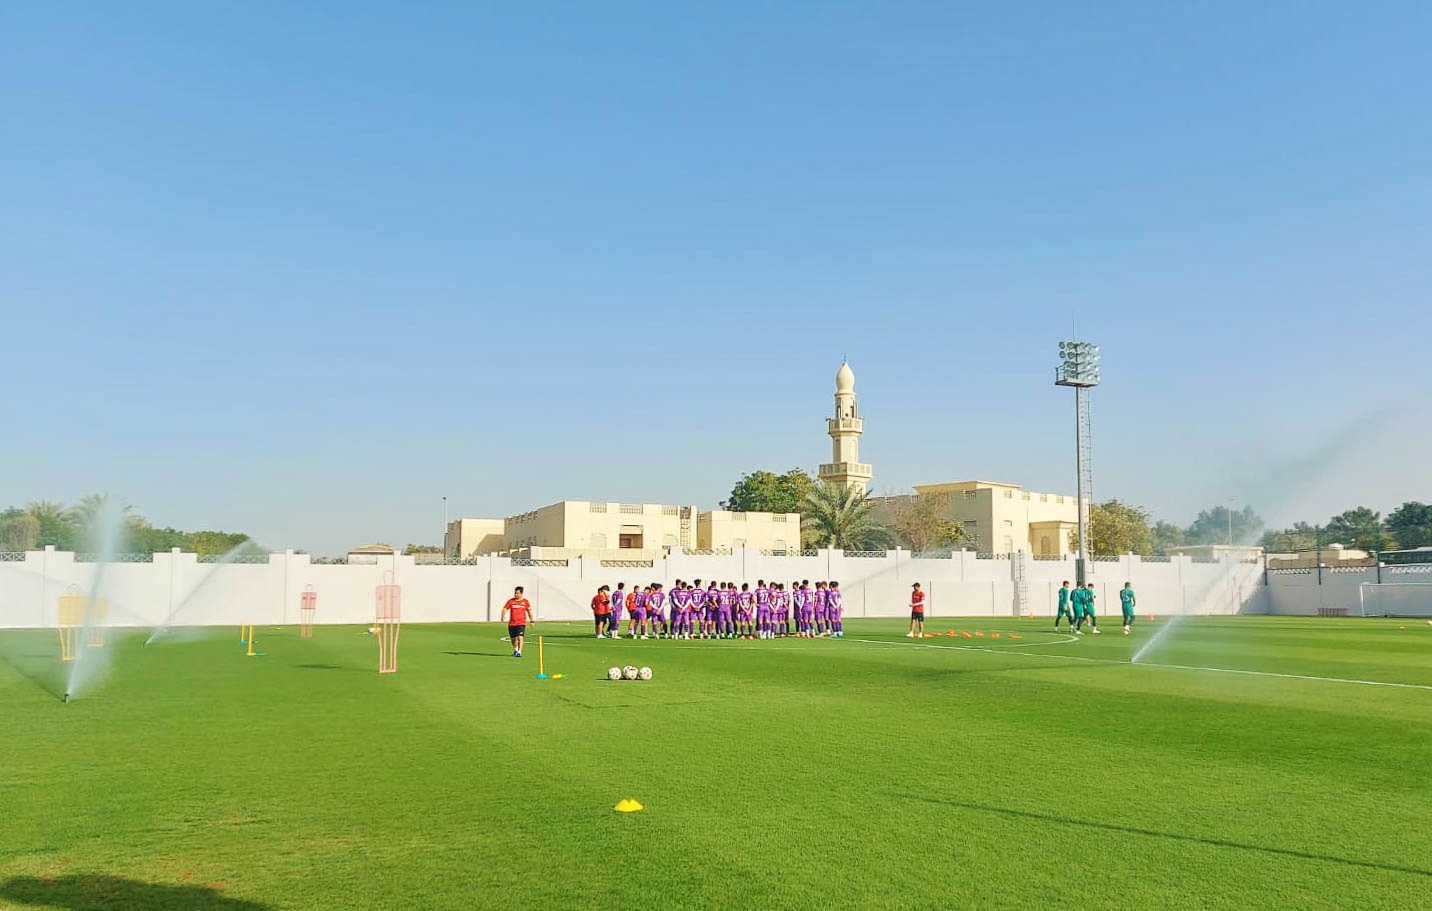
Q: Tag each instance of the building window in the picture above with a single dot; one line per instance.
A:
(1044, 498)
(630, 509)
(669, 510)
(596, 507)
(738, 517)
(599, 539)
(630, 542)
(1008, 523)
(1024, 496)
(969, 495)
(1009, 495)
(779, 517)
(1008, 544)
(1059, 499)
(1044, 546)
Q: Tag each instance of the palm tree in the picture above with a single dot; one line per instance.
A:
(844, 517)
(54, 523)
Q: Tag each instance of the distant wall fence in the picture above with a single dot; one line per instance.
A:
(182, 589)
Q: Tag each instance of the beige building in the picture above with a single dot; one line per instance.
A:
(773, 532)
(618, 531)
(1005, 518)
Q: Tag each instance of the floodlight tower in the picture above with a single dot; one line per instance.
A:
(1079, 368)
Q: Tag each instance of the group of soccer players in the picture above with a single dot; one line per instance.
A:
(720, 610)
(1078, 606)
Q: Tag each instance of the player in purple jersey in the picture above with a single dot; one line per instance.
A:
(691, 624)
(821, 605)
(638, 613)
(834, 608)
(680, 601)
(763, 615)
(798, 600)
(656, 610)
(744, 602)
(725, 606)
(618, 605)
(711, 611)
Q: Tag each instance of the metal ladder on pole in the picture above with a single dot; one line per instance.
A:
(1021, 584)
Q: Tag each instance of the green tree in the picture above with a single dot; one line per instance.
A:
(1360, 528)
(766, 491)
(921, 522)
(18, 531)
(1167, 536)
(1211, 526)
(57, 528)
(1411, 524)
(218, 543)
(422, 549)
(1300, 538)
(1116, 527)
(843, 517)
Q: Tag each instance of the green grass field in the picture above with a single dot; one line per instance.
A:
(870, 772)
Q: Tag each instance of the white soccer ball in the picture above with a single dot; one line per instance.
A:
(614, 673)
(629, 672)
(645, 673)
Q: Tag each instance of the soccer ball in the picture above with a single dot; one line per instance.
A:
(645, 673)
(614, 673)
(629, 672)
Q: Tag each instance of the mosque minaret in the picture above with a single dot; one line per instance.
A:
(845, 428)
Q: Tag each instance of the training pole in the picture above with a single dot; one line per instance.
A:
(250, 639)
(388, 620)
(307, 607)
(541, 666)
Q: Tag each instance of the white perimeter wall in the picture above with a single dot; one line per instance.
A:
(178, 589)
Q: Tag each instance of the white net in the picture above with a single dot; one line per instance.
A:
(1396, 599)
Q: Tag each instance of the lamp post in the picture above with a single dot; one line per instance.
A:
(445, 528)
(1079, 368)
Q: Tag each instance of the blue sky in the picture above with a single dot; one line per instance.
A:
(304, 271)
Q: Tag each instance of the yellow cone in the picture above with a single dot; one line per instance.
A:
(627, 805)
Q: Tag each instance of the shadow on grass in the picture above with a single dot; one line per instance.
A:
(43, 669)
(112, 893)
(480, 655)
(328, 667)
(1172, 836)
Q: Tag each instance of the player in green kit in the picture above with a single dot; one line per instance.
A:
(1064, 610)
(1126, 604)
(1089, 606)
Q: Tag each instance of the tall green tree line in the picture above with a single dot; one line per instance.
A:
(42, 523)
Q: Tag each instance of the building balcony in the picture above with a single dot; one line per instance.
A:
(845, 425)
(853, 469)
